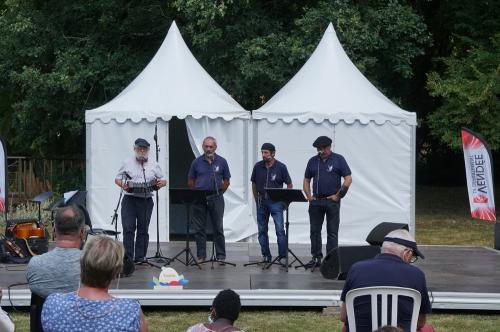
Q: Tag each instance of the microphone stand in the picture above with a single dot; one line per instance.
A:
(114, 217)
(158, 257)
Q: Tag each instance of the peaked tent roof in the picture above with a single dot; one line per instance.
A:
(172, 84)
(330, 87)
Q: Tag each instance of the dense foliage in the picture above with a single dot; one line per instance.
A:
(59, 58)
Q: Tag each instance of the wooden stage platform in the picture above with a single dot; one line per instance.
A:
(458, 278)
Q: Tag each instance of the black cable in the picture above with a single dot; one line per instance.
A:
(8, 292)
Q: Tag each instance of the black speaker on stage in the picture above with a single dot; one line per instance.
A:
(376, 236)
(339, 260)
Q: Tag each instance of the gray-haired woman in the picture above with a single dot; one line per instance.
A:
(91, 307)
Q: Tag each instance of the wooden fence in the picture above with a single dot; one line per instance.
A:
(28, 177)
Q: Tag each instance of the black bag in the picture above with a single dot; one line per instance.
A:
(12, 253)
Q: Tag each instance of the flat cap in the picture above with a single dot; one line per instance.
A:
(408, 244)
(141, 142)
(268, 146)
(322, 141)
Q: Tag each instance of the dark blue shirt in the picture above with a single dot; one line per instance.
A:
(386, 270)
(330, 172)
(272, 177)
(209, 176)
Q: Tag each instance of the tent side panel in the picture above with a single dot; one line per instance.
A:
(294, 148)
(379, 157)
(413, 165)
(107, 146)
(231, 144)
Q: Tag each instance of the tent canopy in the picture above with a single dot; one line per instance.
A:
(172, 84)
(330, 87)
(329, 96)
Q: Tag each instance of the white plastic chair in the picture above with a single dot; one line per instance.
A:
(385, 292)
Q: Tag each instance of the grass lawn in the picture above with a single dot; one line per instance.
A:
(295, 320)
(442, 217)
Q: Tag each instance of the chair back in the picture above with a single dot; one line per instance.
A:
(385, 292)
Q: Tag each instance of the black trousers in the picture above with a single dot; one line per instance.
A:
(136, 215)
(318, 209)
(214, 206)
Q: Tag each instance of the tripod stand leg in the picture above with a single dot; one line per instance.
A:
(274, 262)
(214, 259)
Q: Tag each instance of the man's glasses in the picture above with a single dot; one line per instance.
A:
(414, 256)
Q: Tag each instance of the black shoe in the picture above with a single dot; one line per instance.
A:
(282, 261)
(267, 260)
(141, 261)
(310, 264)
(315, 262)
(318, 262)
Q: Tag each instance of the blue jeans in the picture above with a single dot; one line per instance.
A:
(136, 215)
(266, 207)
(214, 206)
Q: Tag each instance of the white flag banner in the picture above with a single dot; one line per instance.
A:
(3, 178)
(479, 172)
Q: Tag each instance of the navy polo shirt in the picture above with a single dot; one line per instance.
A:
(386, 270)
(330, 172)
(209, 176)
(272, 177)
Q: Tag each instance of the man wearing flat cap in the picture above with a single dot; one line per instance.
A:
(326, 171)
(269, 173)
(391, 268)
(138, 206)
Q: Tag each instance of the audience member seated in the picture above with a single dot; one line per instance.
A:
(391, 268)
(59, 269)
(6, 324)
(224, 312)
(91, 307)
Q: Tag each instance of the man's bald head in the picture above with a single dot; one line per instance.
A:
(69, 220)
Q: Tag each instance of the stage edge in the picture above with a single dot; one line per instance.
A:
(272, 298)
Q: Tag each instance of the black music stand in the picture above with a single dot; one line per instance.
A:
(286, 196)
(39, 199)
(186, 197)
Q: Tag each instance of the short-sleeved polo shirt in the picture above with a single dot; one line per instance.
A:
(270, 177)
(208, 176)
(386, 270)
(327, 174)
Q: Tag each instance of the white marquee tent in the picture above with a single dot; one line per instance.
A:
(329, 96)
(172, 85)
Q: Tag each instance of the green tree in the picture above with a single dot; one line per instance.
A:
(470, 89)
(59, 58)
(465, 80)
(266, 42)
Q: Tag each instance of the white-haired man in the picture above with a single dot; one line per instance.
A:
(137, 207)
(391, 268)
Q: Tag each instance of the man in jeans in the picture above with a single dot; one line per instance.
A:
(269, 173)
(209, 172)
(326, 170)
